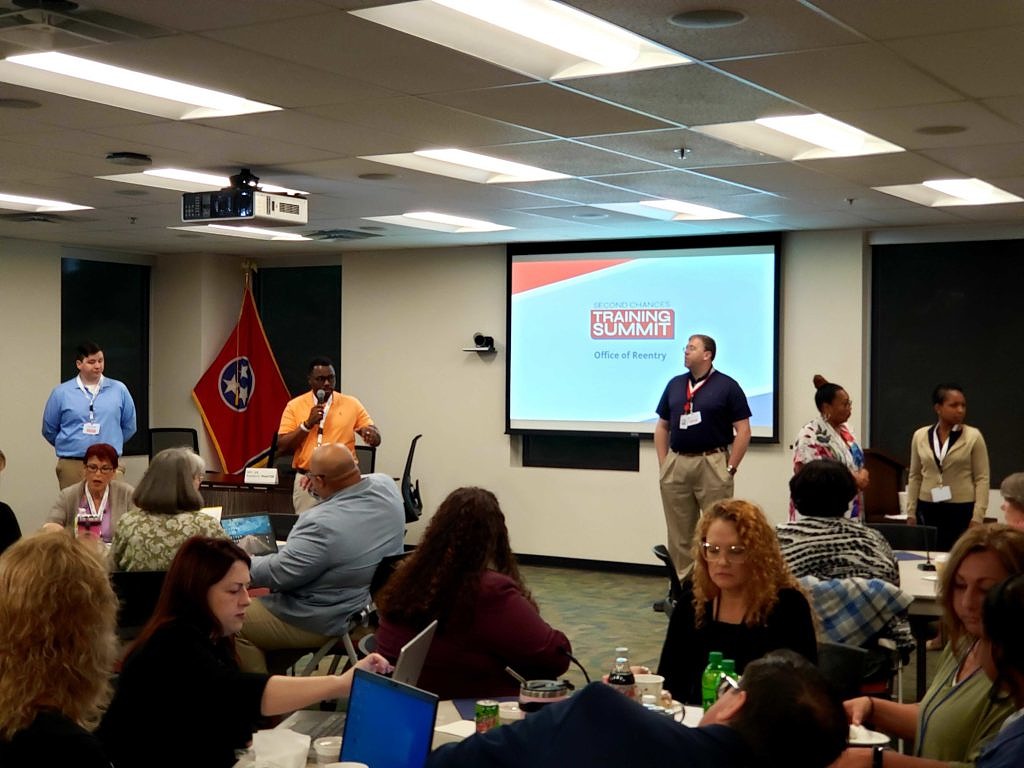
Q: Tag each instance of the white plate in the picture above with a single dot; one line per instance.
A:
(864, 737)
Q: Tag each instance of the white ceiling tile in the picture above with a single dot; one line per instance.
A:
(885, 20)
(901, 125)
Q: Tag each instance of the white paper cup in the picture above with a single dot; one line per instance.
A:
(327, 749)
(649, 685)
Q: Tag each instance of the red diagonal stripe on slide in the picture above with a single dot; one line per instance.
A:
(533, 274)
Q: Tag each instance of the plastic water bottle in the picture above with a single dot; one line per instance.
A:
(728, 668)
(710, 679)
(621, 677)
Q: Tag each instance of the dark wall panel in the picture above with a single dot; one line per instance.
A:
(948, 312)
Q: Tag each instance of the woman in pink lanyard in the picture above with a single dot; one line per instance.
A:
(92, 507)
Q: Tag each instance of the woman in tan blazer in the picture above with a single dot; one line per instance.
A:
(948, 484)
(93, 506)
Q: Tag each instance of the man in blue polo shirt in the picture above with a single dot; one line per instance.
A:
(87, 409)
(701, 414)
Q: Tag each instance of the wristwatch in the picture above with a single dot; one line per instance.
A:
(877, 753)
(731, 469)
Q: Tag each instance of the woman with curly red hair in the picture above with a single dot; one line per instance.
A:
(463, 574)
(744, 601)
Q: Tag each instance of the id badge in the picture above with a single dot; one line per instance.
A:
(689, 419)
(942, 493)
(91, 428)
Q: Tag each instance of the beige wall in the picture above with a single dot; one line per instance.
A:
(405, 317)
(416, 310)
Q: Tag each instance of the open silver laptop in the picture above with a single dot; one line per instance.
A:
(407, 671)
(413, 655)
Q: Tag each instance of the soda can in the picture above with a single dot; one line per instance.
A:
(486, 715)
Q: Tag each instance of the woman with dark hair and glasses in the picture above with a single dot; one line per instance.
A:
(744, 600)
(1002, 658)
(181, 699)
(93, 507)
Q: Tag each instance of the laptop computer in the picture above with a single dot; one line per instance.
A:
(389, 724)
(253, 533)
(413, 655)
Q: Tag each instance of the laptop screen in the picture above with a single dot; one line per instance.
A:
(389, 724)
(253, 533)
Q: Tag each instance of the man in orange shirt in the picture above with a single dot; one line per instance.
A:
(317, 417)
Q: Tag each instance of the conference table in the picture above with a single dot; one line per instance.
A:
(923, 587)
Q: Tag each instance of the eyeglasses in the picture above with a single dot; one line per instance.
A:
(727, 684)
(734, 552)
(96, 469)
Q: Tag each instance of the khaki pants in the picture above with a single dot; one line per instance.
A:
(263, 631)
(690, 485)
(71, 471)
(301, 498)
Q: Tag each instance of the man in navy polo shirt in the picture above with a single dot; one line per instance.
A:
(702, 433)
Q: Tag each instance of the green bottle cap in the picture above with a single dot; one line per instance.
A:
(715, 657)
(729, 666)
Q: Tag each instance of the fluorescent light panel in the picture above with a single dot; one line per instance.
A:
(38, 204)
(468, 166)
(440, 222)
(543, 38)
(942, 193)
(669, 210)
(125, 88)
(253, 233)
(184, 180)
(800, 137)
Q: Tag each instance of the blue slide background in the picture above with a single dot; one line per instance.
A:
(554, 374)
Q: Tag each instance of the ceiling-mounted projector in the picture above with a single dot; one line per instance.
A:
(243, 202)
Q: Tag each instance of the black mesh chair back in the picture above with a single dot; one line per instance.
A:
(411, 493)
(366, 455)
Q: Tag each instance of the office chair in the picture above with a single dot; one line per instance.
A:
(675, 589)
(918, 537)
(411, 494)
(162, 438)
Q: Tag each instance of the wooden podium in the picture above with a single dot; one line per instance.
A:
(887, 480)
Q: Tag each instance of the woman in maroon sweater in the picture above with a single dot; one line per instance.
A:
(463, 574)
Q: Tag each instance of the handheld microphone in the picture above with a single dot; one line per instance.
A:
(321, 396)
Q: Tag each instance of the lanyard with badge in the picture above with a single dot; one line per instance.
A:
(690, 417)
(941, 492)
(91, 426)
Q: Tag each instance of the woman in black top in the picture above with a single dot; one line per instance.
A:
(743, 601)
(57, 646)
(181, 698)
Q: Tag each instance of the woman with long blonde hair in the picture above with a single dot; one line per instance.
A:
(744, 600)
(57, 650)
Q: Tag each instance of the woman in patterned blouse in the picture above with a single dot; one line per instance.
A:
(828, 437)
(168, 502)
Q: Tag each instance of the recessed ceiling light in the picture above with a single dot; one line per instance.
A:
(543, 38)
(440, 222)
(669, 210)
(590, 215)
(707, 18)
(185, 180)
(940, 130)
(253, 233)
(468, 166)
(125, 88)
(37, 205)
(941, 193)
(800, 137)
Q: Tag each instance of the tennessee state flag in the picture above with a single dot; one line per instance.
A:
(242, 394)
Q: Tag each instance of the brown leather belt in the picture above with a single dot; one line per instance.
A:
(709, 452)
